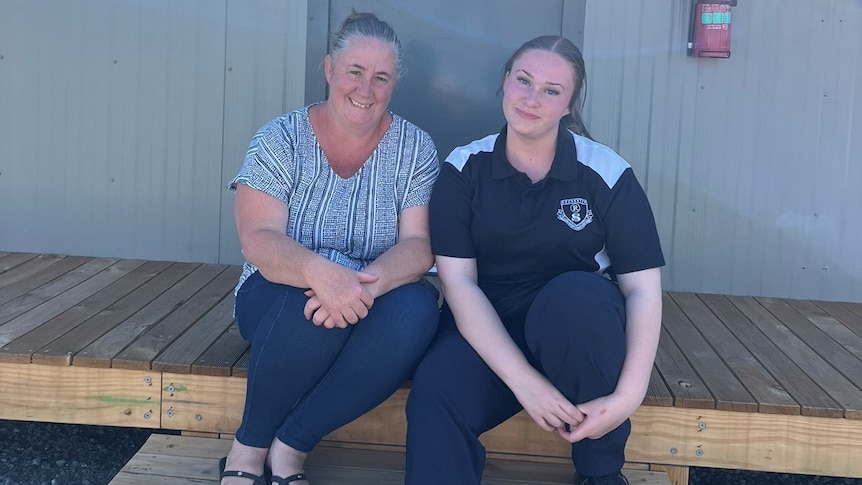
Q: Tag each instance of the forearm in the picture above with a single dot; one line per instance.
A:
(481, 327)
(406, 262)
(280, 259)
(643, 327)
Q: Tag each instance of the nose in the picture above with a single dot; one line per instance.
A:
(531, 97)
(364, 87)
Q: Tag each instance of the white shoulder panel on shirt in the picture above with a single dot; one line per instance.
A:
(601, 159)
(459, 155)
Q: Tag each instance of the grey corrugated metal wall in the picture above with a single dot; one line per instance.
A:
(751, 162)
(119, 120)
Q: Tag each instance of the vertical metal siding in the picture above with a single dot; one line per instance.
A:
(265, 77)
(748, 161)
(120, 122)
(116, 136)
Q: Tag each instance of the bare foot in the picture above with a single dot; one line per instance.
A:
(246, 459)
(287, 461)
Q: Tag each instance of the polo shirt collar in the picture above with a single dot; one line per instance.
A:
(564, 166)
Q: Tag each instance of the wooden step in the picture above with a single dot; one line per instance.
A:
(183, 460)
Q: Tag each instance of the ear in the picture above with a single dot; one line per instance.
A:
(327, 68)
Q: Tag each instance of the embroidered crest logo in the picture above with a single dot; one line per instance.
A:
(575, 213)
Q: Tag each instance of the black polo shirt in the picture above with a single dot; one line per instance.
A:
(588, 214)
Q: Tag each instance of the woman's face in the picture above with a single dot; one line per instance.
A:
(537, 92)
(361, 80)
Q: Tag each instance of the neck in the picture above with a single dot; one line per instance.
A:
(532, 156)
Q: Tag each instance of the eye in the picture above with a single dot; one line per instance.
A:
(354, 73)
(523, 80)
(381, 79)
(552, 92)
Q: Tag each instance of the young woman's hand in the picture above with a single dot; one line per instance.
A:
(547, 405)
(601, 416)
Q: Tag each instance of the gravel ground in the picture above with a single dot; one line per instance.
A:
(62, 454)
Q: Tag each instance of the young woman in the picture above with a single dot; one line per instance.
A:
(332, 215)
(549, 258)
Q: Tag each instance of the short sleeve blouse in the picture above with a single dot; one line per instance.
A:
(349, 221)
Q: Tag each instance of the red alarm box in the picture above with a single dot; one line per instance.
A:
(712, 29)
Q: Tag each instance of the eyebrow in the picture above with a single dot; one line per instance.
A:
(360, 66)
(547, 82)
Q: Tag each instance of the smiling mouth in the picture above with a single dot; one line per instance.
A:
(525, 114)
(359, 105)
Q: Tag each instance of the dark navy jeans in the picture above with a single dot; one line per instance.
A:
(306, 381)
(573, 332)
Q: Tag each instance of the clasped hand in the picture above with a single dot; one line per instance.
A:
(552, 411)
(341, 298)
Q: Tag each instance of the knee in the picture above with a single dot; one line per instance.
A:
(414, 310)
(579, 304)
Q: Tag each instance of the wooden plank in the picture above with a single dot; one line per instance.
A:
(156, 338)
(58, 285)
(240, 369)
(26, 269)
(64, 349)
(182, 459)
(62, 302)
(185, 350)
(100, 352)
(835, 354)
(202, 403)
(180, 355)
(766, 391)
(856, 308)
(677, 475)
(192, 344)
(20, 349)
(12, 290)
(746, 441)
(721, 382)
(686, 386)
(830, 381)
(843, 314)
(221, 356)
(811, 398)
(657, 393)
(79, 395)
(14, 259)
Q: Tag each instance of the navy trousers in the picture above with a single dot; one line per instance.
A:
(306, 381)
(573, 332)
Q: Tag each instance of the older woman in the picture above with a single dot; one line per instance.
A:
(332, 215)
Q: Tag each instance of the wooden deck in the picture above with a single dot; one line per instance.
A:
(180, 460)
(739, 382)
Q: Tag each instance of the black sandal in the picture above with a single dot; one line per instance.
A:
(255, 480)
(288, 480)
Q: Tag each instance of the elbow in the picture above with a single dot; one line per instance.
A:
(426, 261)
(251, 252)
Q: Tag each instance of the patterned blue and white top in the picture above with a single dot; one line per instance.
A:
(349, 221)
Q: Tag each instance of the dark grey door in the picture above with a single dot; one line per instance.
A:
(453, 54)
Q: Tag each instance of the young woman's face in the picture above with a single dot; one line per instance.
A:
(537, 92)
(361, 80)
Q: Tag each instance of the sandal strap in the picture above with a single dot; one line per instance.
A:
(287, 480)
(255, 479)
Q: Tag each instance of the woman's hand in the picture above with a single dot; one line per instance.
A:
(601, 416)
(341, 297)
(547, 405)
